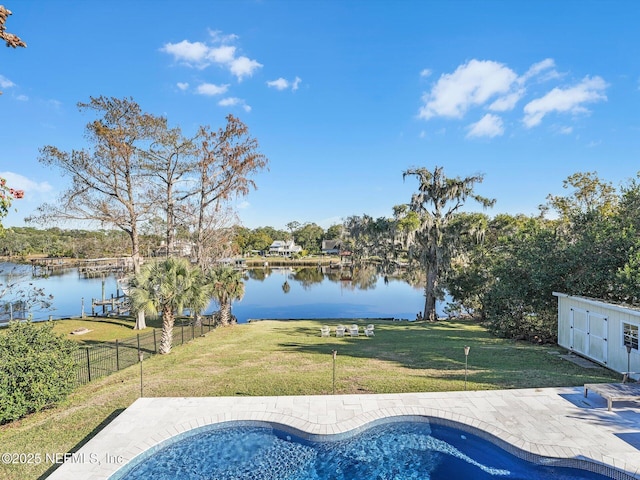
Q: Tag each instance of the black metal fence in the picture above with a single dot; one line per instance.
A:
(96, 361)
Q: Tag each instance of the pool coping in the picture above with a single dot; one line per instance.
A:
(547, 425)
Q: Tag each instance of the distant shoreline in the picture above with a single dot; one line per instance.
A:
(250, 262)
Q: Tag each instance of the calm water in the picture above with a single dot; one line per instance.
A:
(269, 293)
(398, 450)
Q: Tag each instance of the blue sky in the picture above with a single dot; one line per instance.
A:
(343, 96)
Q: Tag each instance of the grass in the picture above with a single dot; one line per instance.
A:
(290, 358)
(100, 329)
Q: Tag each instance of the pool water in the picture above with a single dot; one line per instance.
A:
(398, 451)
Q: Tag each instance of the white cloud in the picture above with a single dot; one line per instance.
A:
(565, 130)
(495, 87)
(191, 53)
(563, 100)
(489, 126)
(243, 205)
(279, 84)
(20, 182)
(5, 82)
(283, 84)
(233, 102)
(22, 98)
(243, 67)
(222, 54)
(537, 68)
(472, 84)
(182, 85)
(218, 37)
(216, 52)
(211, 89)
(426, 72)
(507, 102)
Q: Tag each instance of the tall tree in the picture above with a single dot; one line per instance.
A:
(107, 182)
(309, 237)
(227, 159)
(167, 287)
(168, 162)
(226, 286)
(437, 201)
(334, 232)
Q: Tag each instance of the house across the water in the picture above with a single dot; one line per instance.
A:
(284, 248)
(331, 247)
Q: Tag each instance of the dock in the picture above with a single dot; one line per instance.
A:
(90, 268)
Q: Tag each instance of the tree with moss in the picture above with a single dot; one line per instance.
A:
(436, 203)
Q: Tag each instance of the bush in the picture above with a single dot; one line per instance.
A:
(37, 369)
(513, 319)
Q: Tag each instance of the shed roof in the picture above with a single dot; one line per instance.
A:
(619, 307)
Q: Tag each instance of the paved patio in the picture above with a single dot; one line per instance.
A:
(551, 422)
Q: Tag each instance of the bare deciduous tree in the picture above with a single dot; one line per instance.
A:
(107, 182)
(11, 39)
(227, 159)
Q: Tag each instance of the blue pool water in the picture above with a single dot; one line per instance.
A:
(399, 451)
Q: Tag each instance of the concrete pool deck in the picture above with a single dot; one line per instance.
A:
(548, 422)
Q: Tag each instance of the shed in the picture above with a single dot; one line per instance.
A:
(600, 331)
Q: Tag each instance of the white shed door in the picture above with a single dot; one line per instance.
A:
(588, 334)
(598, 337)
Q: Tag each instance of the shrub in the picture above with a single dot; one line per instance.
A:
(37, 369)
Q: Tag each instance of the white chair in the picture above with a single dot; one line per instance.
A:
(368, 331)
(353, 330)
(340, 329)
(325, 331)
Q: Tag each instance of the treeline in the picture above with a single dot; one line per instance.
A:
(589, 247)
(504, 269)
(22, 242)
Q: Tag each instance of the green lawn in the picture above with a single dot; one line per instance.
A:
(290, 358)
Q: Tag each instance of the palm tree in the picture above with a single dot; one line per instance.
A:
(226, 286)
(438, 200)
(167, 287)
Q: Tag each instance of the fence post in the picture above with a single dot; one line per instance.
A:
(193, 331)
(138, 335)
(88, 363)
(117, 357)
(155, 345)
(182, 332)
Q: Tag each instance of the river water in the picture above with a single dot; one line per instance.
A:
(278, 293)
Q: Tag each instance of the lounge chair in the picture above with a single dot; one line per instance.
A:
(368, 331)
(614, 392)
(325, 331)
(340, 329)
(353, 330)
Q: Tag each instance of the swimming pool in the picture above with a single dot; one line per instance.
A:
(394, 450)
